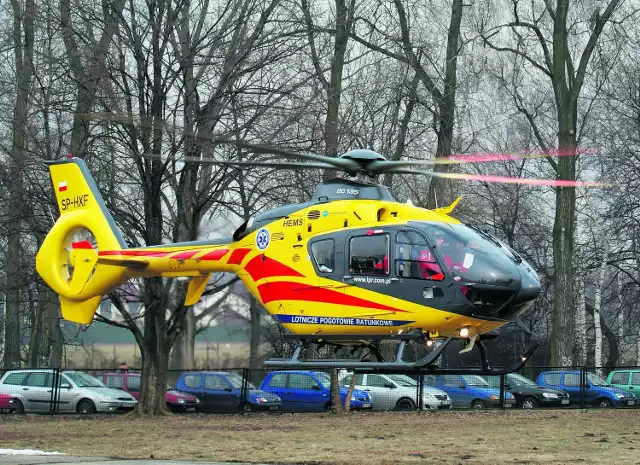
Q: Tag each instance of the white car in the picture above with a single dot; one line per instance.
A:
(77, 392)
(398, 392)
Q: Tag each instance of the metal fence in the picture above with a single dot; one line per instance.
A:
(53, 391)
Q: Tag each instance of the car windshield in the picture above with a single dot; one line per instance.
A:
(475, 380)
(404, 380)
(236, 381)
(520, 380)
(84, 380)
(596, 380)
(324, 379)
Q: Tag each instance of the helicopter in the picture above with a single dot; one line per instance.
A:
(350, 267)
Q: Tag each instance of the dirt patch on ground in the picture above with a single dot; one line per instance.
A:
(444, 437)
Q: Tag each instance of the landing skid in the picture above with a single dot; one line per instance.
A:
(426, 365)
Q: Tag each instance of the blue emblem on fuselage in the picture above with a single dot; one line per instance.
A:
(263, 238)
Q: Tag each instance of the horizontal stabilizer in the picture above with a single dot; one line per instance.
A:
(134, 263)
(196, 288)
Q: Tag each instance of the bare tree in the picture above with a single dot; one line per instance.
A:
(567, 80)
(23, 42)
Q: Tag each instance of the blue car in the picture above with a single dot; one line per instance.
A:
(309, 391)
(469, 391)
(220, 391)
(596, 390)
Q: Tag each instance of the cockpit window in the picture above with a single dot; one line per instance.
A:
(471, 254)
(369, 255)
(415, 259)
(323, 254)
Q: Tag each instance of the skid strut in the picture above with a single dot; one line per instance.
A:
(426, 365)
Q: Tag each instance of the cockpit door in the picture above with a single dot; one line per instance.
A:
(419, 277)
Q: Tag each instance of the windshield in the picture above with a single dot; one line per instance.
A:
(324, 379)
(404, 380)
(472, 254)
(236, 381)
(596, 380)
(475, 380)
(519, 380)
(84, 380)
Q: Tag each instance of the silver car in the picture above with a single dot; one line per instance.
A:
(78, 392)
(398, 392)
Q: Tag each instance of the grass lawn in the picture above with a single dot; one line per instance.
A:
(594, 436)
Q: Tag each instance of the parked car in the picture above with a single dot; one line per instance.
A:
(596, 390)
(6, 403)
(222, 391)
(469, 391)
(309, 391)
(628, 380)
(78, 392)
(130, 382)
(528, 394)
(398, 392)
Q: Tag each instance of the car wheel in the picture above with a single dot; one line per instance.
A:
(529, 403)
(18, 406)
(478, 404)
(86, 406)
(405, 405)
(604, 403)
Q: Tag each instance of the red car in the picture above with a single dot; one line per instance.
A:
(6, 403)
(130, 382)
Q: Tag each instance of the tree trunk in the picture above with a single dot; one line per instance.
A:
(254, 348)
(597, 303)
(154, 351)
(621, 339)
(597, 356)
(352, 386)
(581, 326)
(441, 191)
(336, 403)
(344, 17)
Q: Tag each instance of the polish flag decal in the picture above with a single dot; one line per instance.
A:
(62, 186)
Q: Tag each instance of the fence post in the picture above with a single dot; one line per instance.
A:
(502, 393)
(55, 391)
(420, 392)
(244, 392)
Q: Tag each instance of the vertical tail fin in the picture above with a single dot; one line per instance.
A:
(70, 268)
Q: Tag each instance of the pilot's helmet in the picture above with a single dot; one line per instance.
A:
(439, 241)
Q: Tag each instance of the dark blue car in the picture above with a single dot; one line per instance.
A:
(596, 390)
(469, 391)
(309, 391)
(221, 391)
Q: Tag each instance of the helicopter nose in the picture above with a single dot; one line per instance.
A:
(529, 288)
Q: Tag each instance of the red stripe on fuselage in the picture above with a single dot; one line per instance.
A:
(133, 253)
(270, 292)
(261, 266)
(187, 254)
(237, 256)
(215, 255)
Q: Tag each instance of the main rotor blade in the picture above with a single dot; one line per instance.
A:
(339, 163)
(504, 179)
(249, 164)
(480, 157)
(348, 165)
